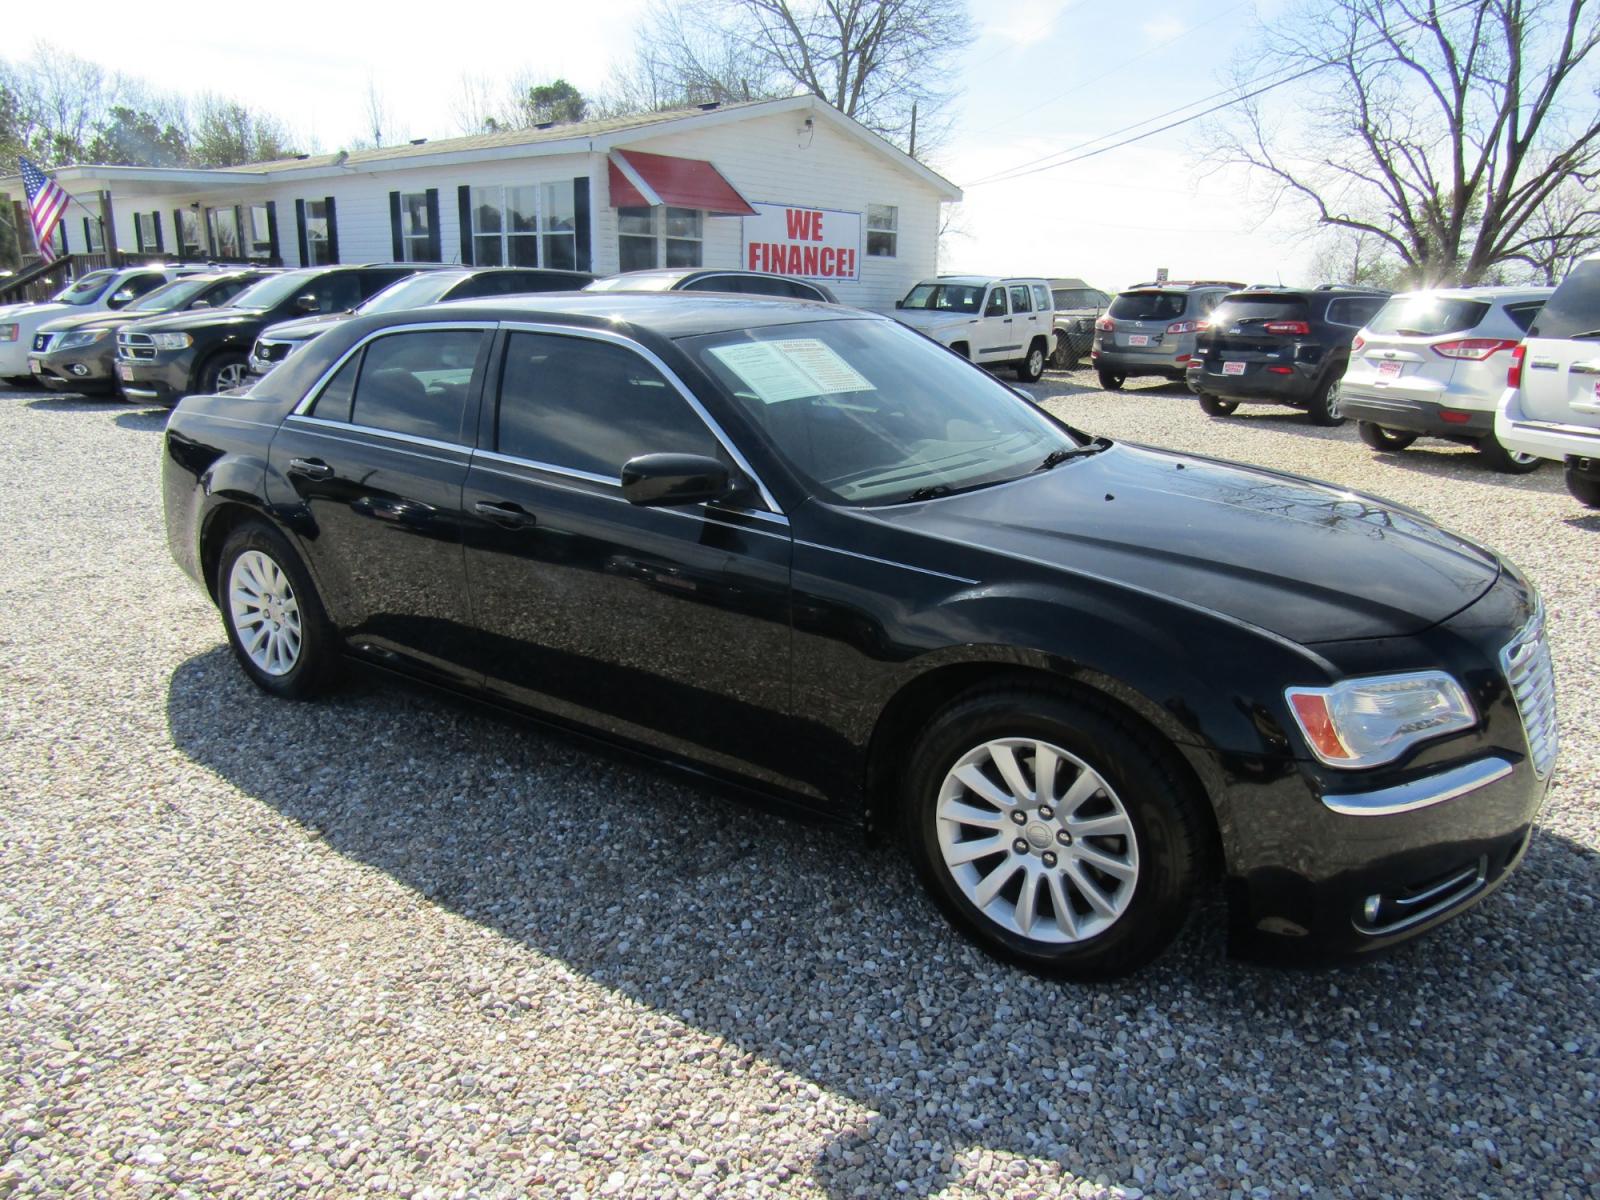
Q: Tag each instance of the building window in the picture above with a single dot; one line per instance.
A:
(883, 224)
(558, 225)
(416, 239)
(223, 225)
(504, 229)
(190, 242)
(651, 237)
(94, 240)
(319, 246)
(258, 241)
(145, 231)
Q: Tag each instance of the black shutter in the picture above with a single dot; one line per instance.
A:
(61, 236)
(138, 234)
(272, 233)
(88, 237)
(434, 252)
(177, 234)
(580, 221)
(300, 231)
(333, 229)
(464, 208)
(155, 223)
(396, 241)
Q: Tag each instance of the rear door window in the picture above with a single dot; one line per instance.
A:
(1574, 309)
(1020, 303)
(1148, 306)
(1427, 316)
(416, 383)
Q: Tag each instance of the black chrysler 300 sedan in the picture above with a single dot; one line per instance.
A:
(806, 549)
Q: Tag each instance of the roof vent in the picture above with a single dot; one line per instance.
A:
(418, 141)
(710, 106)
(545, 125)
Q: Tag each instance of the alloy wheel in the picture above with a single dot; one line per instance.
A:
(1035, 363)
(230, 376)
(264, 612)
(1333, 402)
(1037, 840)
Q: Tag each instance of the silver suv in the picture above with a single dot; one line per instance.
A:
(1150, 329)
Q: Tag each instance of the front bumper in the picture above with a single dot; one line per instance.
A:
(89, 368)
(1417, 416)
(14, 355)
(1556, 440)
(163, 379)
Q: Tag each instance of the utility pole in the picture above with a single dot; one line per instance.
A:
(913, 150)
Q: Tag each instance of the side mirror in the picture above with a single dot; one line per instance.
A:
(118, 299)
(668, 480)
(200, 304)
(306, 304)
(899, 303)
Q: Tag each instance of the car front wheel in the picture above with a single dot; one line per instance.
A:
(1215, 406)
(225, 373)
(1324, 406)
(273, 616)
(1507, 462)
(1053, 833)
(1379, 438)
(1112, 381)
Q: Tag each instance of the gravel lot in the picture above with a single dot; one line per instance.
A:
(387, 944)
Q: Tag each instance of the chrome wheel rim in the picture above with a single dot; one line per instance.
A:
(1522, 459)
(230, 377)
(265, 613)
(1333, 401)
(1037, 840)
(1036, 363)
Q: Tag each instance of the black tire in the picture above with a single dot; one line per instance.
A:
(1112, 381)
(1323, 408)
(316, 662)
(1585, 489)
(1498, 458)
(1216, 406)
(23, 383)
(1031, 369)
(1063, 359)
(1171, 832)
(1390, 441)
(222, 367)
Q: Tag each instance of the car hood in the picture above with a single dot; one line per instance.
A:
(929, 320)
(94, 320)
(37, 313)
(1303, 559)
(205, 318)
(301, 328)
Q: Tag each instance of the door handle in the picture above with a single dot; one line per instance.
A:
(1007, 321)
(511, 516)
(1585, 368)
(311, 468)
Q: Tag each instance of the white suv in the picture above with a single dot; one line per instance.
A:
(1551, 404)
(1433, 364)
(97, 291)
(992, 321)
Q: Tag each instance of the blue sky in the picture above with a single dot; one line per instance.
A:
(1041, 76)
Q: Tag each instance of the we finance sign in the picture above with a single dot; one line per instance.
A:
(810, 243)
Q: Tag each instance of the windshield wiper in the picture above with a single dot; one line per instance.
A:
(932, 492)
(1587, 333)
(1056, 457)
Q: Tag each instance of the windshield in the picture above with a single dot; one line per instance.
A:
(868, 412)
(945, 297)
(411, 292)
(86, 290)
(170, 295)
(1574, 309)
(273, 290)
(1426, 316)
(1149, 306)
(640, 281)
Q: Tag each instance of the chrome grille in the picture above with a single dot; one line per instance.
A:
(272, 351)
(135, 346)
(1532, 676)
(41, 341)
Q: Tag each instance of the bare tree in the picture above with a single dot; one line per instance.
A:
(887, 63)
(1440, 128)
(1560, 232)
(379, 125)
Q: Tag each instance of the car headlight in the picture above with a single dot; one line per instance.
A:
(86, 337)
(172, 341)
(1368, 722)
(8, 333)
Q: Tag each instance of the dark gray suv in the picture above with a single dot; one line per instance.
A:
(1150, 329)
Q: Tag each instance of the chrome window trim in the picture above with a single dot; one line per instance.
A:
(1420, 793)
(314, 392)
(323, 428)
(667, 373)
(613, 490)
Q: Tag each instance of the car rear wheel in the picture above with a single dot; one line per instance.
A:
(1507, 462)
(1064, 359)
(1112, 381)
(1054, 834)
(1324, 406)
(1215, 406)
(273, 616)
(1585, 489)
(225, 373)
(1030, 369)
(1379, 438)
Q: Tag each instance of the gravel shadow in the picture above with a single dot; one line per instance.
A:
(74, 403)
(817, 952)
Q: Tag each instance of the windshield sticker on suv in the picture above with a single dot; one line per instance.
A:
(791, 368)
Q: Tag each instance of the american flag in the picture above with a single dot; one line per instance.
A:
(46, 203)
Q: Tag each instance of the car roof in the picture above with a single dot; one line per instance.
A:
(667, 314)
(1492, 293)
(981, 280)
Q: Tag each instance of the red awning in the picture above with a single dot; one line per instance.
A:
(639, 179)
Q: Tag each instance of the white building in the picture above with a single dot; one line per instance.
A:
(790, 186)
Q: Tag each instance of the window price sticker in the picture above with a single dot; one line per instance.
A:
(790, 368)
